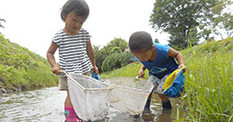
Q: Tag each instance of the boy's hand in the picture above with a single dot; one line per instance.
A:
(182, 66)
(141, 73)
(95, 70)
(56, 69)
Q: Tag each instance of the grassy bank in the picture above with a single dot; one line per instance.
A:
(130, 70)
(209, 83)
(22, 69)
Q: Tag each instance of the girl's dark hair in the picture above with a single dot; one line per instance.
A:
(79, 7)
(139, 41)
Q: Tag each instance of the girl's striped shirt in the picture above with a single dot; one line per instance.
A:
(72, 51)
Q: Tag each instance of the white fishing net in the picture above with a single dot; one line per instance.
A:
(89, 97)
(129, 95)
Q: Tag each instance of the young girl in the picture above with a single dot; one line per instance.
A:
(76, 54)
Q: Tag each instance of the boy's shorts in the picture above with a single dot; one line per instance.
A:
(174, 84)
(158, 83)
(63, 81)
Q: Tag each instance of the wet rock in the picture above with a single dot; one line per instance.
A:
(2, 91)
(19, 89)
(23, 88)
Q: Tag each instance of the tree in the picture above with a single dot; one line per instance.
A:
(115, 50)
(96, 48)
(183, 18)
(118, 42)
(113, 55)
(1, 24)
(103, 53)
(100, 56)
(116, 60)
(111, 62)
(224, 20)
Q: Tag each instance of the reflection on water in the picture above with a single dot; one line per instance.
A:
(155, 115)
(47, 105)
(37, 105)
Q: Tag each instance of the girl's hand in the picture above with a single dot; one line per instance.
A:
(95, 70)
(182, 66)
(56, 69)
(141, 73)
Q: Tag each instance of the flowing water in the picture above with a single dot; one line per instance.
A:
(46, 105)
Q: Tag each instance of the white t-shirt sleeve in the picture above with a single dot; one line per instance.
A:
(86, 35)
(56, 39)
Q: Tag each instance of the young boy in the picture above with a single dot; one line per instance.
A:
(158, 59)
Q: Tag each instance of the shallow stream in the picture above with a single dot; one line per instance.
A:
(46, 105)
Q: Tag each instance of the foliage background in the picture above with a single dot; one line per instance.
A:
(21, 69)
(112, 56)
(189, 21)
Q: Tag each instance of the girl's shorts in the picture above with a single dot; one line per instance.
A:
(63, 82)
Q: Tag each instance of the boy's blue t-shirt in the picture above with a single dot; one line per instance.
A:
(163, 64)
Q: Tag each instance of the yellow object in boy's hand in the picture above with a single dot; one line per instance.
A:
(169, 80)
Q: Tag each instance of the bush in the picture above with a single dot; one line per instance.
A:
(116, 60)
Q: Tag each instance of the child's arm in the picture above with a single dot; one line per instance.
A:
(91, 55)
(141, 72)
(179, 57)
(50, 57)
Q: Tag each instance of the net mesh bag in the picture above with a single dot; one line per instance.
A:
(90, 97)
(129, 95)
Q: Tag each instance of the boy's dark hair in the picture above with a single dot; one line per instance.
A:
(79, 7)
(140, 40)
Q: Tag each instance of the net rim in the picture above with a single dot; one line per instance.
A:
(87, 89)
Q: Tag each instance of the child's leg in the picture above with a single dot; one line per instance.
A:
(166, 104)
(67, 101)
(147, 106)
(69, 110)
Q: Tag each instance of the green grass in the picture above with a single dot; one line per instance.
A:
(209, 81)
(21, 68)
(130, 70)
